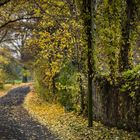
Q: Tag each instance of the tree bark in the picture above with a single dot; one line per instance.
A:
(88, 10)
(124, 59)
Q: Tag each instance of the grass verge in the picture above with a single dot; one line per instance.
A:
(69, 126)
(5, 89)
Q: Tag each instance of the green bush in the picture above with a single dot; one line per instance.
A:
(131, 81)
(1, 85)
(68, 87)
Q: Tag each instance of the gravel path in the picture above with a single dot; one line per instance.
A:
(16, 123)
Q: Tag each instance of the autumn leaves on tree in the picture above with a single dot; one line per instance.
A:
(75, 49)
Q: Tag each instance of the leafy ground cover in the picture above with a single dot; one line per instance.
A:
(69, 126)
(15, 121)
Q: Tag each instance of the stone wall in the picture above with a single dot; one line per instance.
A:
(114, 108)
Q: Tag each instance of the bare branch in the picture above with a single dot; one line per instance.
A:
(4, 35)
(15, 20)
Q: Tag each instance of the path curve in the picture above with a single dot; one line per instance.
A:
(16, 123)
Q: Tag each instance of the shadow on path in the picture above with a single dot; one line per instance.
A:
(15, 96)
(16, 123)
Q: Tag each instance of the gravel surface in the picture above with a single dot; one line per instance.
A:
(16, 123)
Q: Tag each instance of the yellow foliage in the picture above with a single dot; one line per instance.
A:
(69, 126)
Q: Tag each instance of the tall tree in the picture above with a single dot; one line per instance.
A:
(88, 13)
(128, 25)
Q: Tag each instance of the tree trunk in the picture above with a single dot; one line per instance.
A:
(82, 105)
(88, 9)
(124, 60)
(25, 78)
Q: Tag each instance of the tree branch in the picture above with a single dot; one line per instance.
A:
(15, 20)
(4, 35)
(4, 2)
